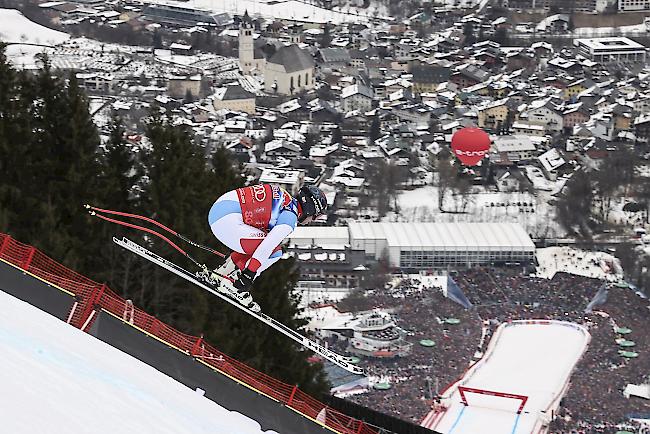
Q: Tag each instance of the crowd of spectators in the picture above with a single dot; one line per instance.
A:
(414, 379)
(594, 402)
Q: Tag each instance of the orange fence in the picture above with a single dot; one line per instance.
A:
(91, 297)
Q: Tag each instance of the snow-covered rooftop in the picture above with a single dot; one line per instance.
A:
(444, 235)
(280, 176)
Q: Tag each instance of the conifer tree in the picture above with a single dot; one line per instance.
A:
(275, 292)
(52, 150)
(181, 190)
(9, 158)
(176, 194)
(119, 168)
(375, 130)
(17, 206)
(120, 175)
(69, 142)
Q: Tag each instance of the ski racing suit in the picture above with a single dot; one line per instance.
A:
(252, 222)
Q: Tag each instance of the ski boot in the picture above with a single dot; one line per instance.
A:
(243, 297)
(226, 270)
(223, 277)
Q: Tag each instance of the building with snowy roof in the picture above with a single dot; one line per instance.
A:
(513, 149)
(370, 333)
(290, 180)
(551, 161)
(234, 98)
(290, 70)
(183, 15)
(611, 49)
(436, 245)
(421, 246)
(356, 97)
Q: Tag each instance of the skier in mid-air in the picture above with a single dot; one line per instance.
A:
(252, 222)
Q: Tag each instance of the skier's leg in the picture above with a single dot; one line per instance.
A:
(227, 223)
(250, 246)
(275, 257)
(231, 230)
(228, 226)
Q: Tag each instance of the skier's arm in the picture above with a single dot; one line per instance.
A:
(286, 224)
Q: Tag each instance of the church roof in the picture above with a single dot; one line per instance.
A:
(233, 92)
(292, 58)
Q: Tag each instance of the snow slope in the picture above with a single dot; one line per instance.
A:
(56, 379)
(16, 28)
(528, 358)
(278, 9)
(19, 31)
(599, 265)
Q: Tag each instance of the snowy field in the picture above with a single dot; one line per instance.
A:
(57, 379)
(524, 358)
(15, 28)
(282, 9)
(537, 216)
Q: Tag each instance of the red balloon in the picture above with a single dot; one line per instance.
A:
(470, 145)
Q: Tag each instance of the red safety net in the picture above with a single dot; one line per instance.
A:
(91, 295)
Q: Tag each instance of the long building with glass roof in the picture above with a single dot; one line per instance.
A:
(419, 246)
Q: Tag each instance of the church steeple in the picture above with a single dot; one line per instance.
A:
(246, 53)
(246, 19)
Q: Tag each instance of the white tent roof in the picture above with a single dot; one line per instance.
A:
(448, 236)
(320, 232)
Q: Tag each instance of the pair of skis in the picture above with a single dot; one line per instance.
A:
(202, 280)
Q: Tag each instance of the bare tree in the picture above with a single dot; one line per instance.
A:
(446, 178)
(574, 207)
(616, 173)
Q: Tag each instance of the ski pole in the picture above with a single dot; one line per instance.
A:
(150, 231)
(160, 225)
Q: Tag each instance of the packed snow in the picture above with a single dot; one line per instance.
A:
(57, 379)
(524, 358)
